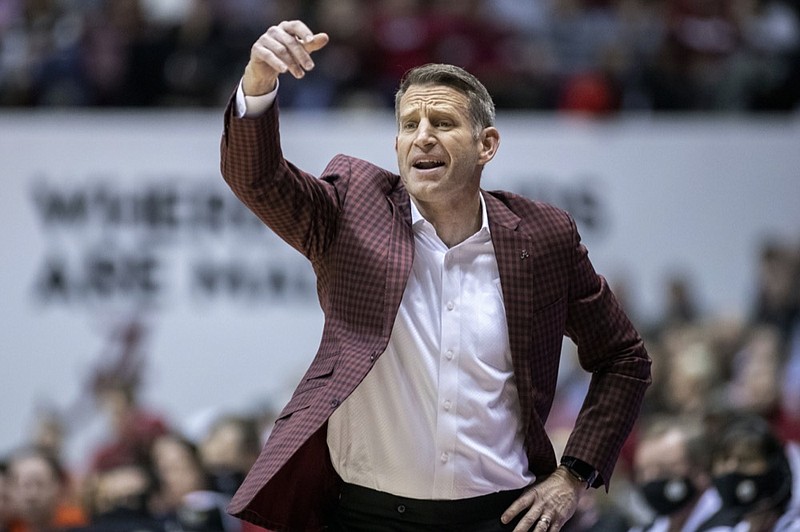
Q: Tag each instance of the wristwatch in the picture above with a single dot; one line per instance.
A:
(580, 470)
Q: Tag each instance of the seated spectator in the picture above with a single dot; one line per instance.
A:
(115, 386)
(754, 479)
(40, 493)
(755, 383)
(120, 498)
(671, 470)
(179, 472)
(5, 498)
(204, 511)
(228, 451)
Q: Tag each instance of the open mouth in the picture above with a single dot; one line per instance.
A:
(428, 164)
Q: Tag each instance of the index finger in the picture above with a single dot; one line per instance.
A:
(297, 29)
(310, 41)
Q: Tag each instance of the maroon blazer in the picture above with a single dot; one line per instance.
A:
(354, 226)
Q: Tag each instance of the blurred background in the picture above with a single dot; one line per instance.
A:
(141, 300)
(597, 55)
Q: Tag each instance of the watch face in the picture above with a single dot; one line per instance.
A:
(581, 470)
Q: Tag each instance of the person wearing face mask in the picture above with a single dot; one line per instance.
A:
(753, 477)
(671, 472)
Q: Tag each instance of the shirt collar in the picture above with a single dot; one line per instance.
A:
(417, 219)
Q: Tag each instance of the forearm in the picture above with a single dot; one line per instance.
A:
(610, 348)
(609, 411)
(293, 203)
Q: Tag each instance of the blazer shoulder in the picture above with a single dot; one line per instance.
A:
(347, 164)
(360, 173)
(534, 216)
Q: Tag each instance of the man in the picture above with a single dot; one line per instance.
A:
(40, 493)
(671, 467)
(445, 309)
(752, 474)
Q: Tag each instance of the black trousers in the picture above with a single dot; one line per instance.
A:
(365, 510)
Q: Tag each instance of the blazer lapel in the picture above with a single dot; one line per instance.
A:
(401, 254)
(515, 262)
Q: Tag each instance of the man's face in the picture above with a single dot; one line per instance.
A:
(223, 448)
(439, 157)
(742, 457)
(661, 457)
(35, 488)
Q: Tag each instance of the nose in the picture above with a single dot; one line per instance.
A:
(425, 134)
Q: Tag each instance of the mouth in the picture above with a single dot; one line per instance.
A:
(427, 164)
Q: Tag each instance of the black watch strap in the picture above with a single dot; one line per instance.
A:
(580, 470)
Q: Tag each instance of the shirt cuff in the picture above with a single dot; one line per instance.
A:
(253, 106)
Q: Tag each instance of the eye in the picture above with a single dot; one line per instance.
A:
(409, 126)
(444, 124)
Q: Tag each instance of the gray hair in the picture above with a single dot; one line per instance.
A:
(481, 105)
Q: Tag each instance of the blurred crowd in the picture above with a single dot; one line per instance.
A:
(716, 448)
(145, 473)
(595, 56)
(717, 445)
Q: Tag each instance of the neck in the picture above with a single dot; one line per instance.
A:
(455, 223)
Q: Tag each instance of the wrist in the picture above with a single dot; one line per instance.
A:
(579, 471)
(576, 482)
(254, 85)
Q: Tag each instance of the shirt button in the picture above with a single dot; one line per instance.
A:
(447, 405)
(449, 354)
(401, 508)
(444, 457)
(450, 305)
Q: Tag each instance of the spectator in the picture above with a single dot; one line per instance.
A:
(690, 369)
(753, 477)
(5, 498)
(116, 390)
(681, 307)
(179, 472)
(228, 452)
(587, 55)
(778, 287)
(671, 470)
(188, 500)
(204, 511)
(755, 383)
(40, 493)
(120, 498)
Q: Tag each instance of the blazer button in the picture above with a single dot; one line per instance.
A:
(401, 508)
(334, 403)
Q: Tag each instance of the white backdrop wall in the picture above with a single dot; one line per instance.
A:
(113, 215)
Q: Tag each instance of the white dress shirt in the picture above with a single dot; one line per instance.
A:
(438, 416)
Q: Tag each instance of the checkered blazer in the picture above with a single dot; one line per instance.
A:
(354, 226)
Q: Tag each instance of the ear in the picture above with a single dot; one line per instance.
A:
(490, 142)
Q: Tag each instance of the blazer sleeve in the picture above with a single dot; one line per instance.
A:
(297, 206)
(613, 352)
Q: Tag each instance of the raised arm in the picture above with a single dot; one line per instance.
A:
(294, 204)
